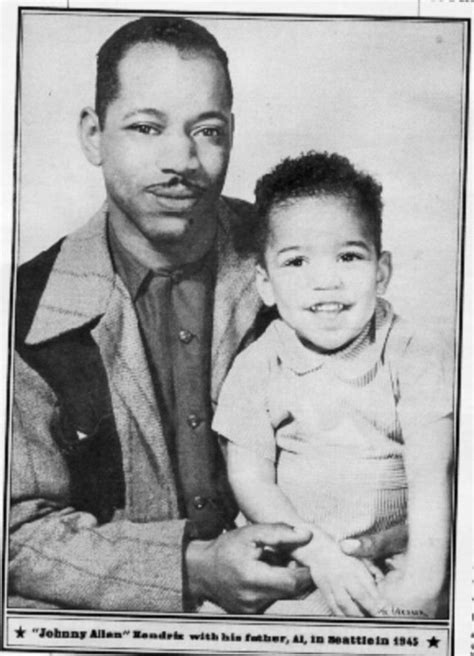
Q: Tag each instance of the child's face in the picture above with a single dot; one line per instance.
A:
(322, 271)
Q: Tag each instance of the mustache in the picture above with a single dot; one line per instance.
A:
(178, 183)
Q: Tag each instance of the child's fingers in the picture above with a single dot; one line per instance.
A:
(333, 605)
(333, 601)
(368, 581)
(340, 601)
(346, 604)
(373, 570)
(366, 597)
(328, 595)
(363, 590)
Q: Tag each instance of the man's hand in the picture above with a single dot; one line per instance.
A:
(229, 571)
(377, 545)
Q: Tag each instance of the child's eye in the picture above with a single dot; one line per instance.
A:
(350, 257)
(296, 261)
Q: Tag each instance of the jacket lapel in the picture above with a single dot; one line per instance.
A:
(145, 455)
(82, 288)
(79, 285)
(236, 302)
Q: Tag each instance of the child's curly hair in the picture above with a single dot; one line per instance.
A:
(312, 174)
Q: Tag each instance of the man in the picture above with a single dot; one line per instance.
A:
(125, 331)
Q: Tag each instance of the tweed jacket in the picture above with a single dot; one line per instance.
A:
(62, 557)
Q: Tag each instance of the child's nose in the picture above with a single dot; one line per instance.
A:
(324, 274)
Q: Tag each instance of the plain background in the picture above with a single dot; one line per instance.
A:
(387, 94)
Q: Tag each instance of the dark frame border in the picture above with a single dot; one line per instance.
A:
(463, 172)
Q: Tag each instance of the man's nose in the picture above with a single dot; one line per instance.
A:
(177, 154)
(324, 274)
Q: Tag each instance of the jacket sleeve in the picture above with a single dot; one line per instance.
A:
(61, 557)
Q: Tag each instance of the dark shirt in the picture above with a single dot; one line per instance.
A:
(174, 309)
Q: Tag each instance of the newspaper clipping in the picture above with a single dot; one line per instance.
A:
(236, 328)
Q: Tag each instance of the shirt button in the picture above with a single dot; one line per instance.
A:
(194, 420)
(185, 336)
(199, 502)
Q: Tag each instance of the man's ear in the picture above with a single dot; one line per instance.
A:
(264, 286)
(384, 272)
(89, 135)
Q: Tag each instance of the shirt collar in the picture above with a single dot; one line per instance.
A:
(82, 282)
(131, 271)
(356, 360)
(136, 275)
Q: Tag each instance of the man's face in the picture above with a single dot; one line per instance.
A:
(165, 144)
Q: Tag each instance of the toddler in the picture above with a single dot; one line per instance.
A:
(339, 417)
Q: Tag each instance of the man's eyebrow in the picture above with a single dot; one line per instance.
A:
(161, 116)
(213, 114)
(146, 110)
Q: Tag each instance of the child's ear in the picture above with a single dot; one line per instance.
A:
(264, 286)
(384, 272)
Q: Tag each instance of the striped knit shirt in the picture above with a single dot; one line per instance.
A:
(334, 425)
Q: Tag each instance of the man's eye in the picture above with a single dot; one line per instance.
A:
(145, 128)
(209, 131)
(350, 257)
(294, 262)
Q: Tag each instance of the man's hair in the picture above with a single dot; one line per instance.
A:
(314, 175)
(185, 35)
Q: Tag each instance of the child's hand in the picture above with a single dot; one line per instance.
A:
(404, 598)
(346, 583)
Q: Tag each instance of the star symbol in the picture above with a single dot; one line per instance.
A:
(433, 642)
(20, 632)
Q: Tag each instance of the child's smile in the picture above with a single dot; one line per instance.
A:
(329, 308)
(322, 270)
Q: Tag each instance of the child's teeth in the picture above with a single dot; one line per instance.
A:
(326, 307)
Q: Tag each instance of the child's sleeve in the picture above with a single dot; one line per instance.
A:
(242, 416)
(425, 381)
(425, 375)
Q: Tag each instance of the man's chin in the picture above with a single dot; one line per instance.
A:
(171, 230)
(168, 237)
